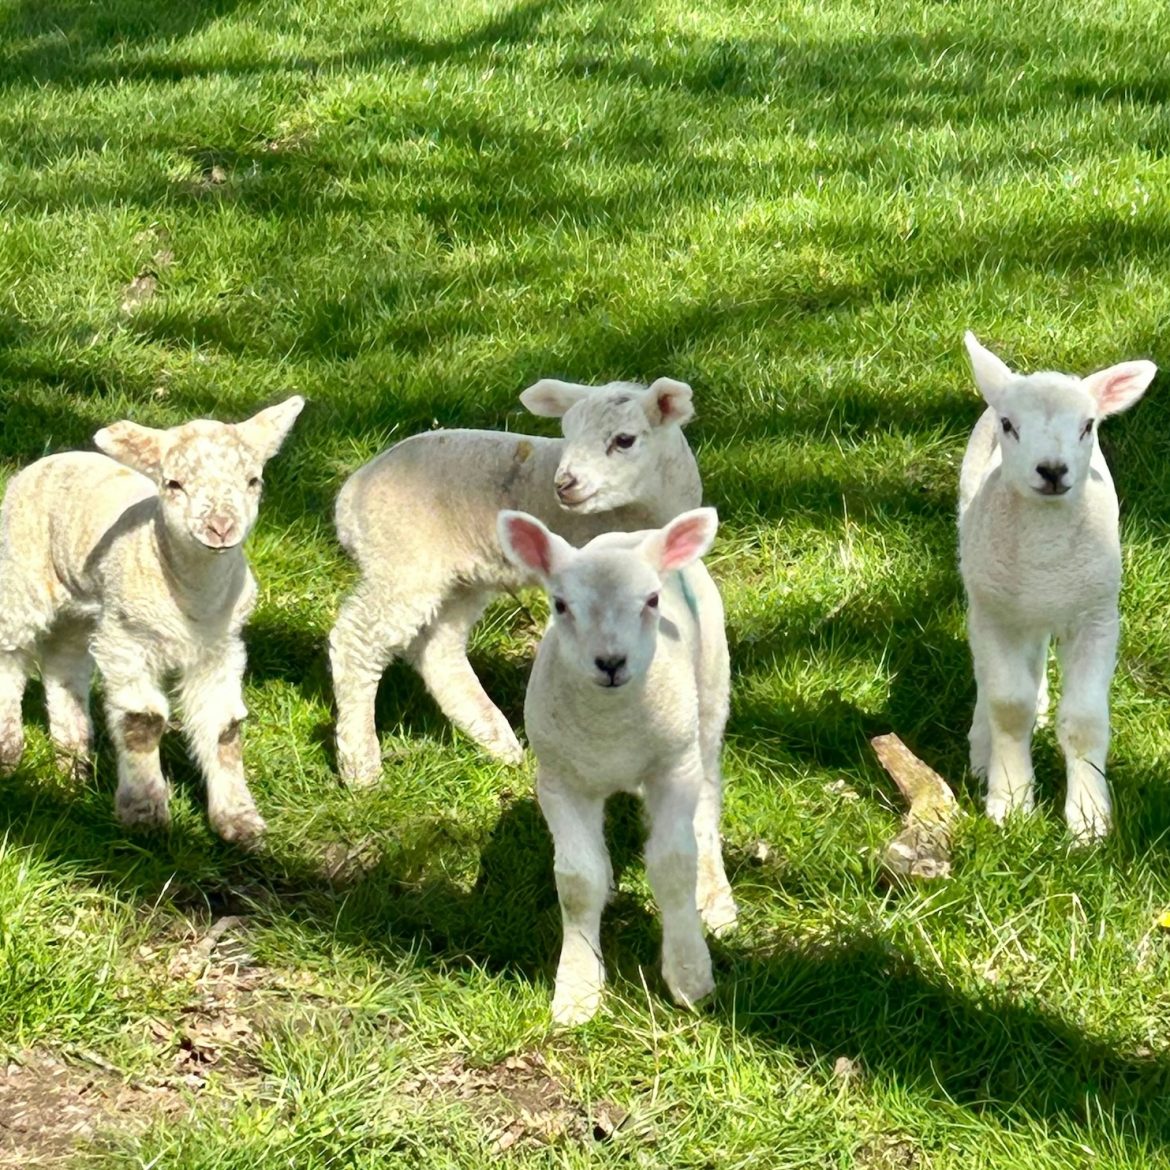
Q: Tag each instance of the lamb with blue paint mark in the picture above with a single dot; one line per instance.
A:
(629, 693)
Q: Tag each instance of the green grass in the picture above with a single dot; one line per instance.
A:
(408, 213)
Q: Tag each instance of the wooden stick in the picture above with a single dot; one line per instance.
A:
(923, 847)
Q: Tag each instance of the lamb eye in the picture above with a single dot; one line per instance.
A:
(173, 485)
(1009, 427)
(559, 605)
(254, 483)
(625, 442)
(1087, 429)
(652, 601)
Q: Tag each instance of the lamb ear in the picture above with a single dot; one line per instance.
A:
(266, 431)
(1119, 387)
(669, 401)
(528, 544)
(685, 539)
(991, 375)
(141, 448)
(550, 398)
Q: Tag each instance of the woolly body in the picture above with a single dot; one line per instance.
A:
(420, 521)
(96, 566)
(1040, 557)
(653, 728)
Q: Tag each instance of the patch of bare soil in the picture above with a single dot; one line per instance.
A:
(48, 1106)
(891, 1151)
(519, 1102)
(52, 1104)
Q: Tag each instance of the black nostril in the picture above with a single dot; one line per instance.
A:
(1052, 473)
(610, 665)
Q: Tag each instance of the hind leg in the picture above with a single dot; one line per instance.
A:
(440, 654)
(14, 666)
(67, 669)
(715, 900)
(368, 633)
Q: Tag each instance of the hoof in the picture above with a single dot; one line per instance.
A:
(143, 811)
(999, 808)
(573, 1006)
(242, 826)
(362, 770)
(73, 765)
(688, 976)
(1088, 826)
(506, 750)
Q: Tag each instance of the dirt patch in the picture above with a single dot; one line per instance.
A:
(50, 1106)
(230, 995)
(519, 1102)
(891, 1151)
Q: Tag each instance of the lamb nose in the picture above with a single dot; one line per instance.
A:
(610, 665)
(565, 482)
(1052, 473)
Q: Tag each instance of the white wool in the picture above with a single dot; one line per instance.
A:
(132, 561)
(420, 520)
(629, 693)
(1041, 560)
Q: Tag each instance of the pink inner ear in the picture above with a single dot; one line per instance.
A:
(667, 406)
(685, 540)
(1120, 386)
(530, 543)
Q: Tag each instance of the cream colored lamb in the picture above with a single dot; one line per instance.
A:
(1041, 559)
(133, 560)
(420, 520)
(629, 693)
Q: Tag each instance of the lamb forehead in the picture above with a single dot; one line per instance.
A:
(611, 572)
(1051, 395)
(615, 407)
(204, 443)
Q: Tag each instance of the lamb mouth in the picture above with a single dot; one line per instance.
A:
(1049, 490)
(611, 684)
(575, 502)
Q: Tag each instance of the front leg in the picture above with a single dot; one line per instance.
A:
(672, 867)
(1087, 661)
(213, 715)
(583, 875)
(1007, 678)
(137, 717)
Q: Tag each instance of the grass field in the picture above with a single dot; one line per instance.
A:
(409, 212)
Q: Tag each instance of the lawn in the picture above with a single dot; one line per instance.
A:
(408, 212)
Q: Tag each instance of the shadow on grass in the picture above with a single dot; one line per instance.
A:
(852, 996)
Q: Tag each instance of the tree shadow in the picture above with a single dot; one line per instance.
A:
(853, 995)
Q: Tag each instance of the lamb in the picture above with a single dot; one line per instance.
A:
(629, 693)
(133, 560)
(420, 518)
(1041, 558)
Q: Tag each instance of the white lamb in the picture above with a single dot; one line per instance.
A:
(1041, 559)
(420, 520)
(629, 693)
(133, 560)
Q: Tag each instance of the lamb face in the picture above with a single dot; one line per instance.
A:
(1048, 421)
(209, 474)
(605, 598)
(606, 611)
(616, 435)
